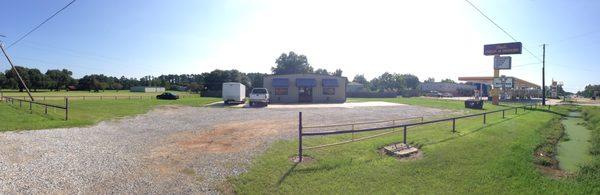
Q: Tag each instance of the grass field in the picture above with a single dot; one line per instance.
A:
(84, 112)
(108, 93)
(495, 158)
(436, 103)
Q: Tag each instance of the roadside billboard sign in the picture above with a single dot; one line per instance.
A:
(503, 82)
(502, 62)
(503, 49)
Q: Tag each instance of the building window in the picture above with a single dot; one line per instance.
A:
(328, 91)
(281, 91)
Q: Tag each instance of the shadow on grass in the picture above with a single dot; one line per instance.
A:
(550, 111)
(287, 173)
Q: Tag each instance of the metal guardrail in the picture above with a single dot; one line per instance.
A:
(403, 126)
(31, 103)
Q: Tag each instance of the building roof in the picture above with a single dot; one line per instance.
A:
(311, 74)
(489, 80)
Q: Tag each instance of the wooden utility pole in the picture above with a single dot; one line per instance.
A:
(16, 71)
(543, 74)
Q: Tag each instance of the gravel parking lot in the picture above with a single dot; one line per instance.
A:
(169, 150)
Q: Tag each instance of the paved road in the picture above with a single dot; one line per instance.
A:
(169, 150)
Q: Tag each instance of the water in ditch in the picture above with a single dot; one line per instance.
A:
(574, 151)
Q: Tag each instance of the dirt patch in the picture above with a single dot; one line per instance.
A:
(180, 148)
(230, 137)
(305, 159)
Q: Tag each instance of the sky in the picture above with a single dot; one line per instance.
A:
(428, 38)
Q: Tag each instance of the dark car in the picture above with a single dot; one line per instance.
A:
(167, 96)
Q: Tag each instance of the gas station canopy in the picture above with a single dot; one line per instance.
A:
(518, 83)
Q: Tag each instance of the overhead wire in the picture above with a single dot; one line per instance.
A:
(502, 29)
(40, 25)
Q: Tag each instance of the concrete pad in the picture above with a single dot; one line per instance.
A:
(339, 105)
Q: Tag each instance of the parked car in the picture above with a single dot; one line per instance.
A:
(434, 94)
(447, 95)
(167, 96)
(259, 96)
(233, 93)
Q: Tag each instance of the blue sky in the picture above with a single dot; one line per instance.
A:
(441, 39)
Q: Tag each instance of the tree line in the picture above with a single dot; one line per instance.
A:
(286, 63)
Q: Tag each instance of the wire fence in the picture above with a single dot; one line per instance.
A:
(395, 126)
(33, 104)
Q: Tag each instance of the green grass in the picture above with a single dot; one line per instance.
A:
(436, 103)
(590, 173)
(496, 158)
(83, 112)
(107, 93)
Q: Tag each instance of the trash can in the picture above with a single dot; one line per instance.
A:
(474, 104)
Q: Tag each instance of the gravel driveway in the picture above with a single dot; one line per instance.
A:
(168, 150)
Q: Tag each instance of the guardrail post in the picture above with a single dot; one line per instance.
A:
(502, 113)
(45, 109)
(484, 118)
(515, 110)
(30, 108)
(299, 136)
(453, 125)
(404, 137)
(67, 108)
(100, 97)
(83, 97)
(44, 98)
(20, 104)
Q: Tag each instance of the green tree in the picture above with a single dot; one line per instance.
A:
(116, 86)
(321, 71)
(338, 72)
(256, 79)
(59, 79)
(359, 78)
(3, 80)
(291, 63)
(447, 81)
(410, 81)
(430, 80)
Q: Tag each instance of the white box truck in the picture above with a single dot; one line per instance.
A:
(234, 93)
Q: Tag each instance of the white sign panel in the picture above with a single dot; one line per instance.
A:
(503, 82)
(502, 62)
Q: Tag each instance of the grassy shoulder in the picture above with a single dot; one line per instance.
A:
(83, 112)
(496, 158)
(590, 174)
(436, 103)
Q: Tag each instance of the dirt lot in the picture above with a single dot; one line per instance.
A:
(169, 150)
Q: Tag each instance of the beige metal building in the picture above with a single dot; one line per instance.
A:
(306, 88)
(147, 89)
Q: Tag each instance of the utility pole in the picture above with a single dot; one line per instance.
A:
(544, 75)
(16, 71)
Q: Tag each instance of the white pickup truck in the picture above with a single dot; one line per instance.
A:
(259, 96)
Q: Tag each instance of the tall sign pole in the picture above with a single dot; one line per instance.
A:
(501, 62)
(544, 74)
(16, 71)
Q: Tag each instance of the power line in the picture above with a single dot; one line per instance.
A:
(502, 29)
(39, 25)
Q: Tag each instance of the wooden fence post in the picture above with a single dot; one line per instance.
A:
(484, 118)
(404, 137)
(453, 125)
(67, 108)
